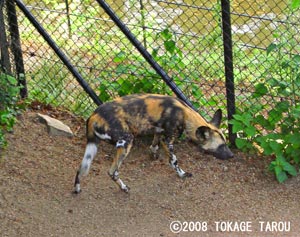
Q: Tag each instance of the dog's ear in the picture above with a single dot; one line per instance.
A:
(203, 133)
(217, 118)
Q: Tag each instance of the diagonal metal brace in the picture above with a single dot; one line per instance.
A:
(138, 45)
(59, 52)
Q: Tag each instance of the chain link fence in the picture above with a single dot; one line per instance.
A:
(183, 36)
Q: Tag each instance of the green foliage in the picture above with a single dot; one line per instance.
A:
(9, 92)
(47, 83)
(295, 4)
(276, 129)
(133, 77)
(276, 132)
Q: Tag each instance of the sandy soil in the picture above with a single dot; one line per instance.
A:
(36, 183)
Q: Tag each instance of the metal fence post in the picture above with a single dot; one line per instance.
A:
(16, 46)
(4, 52)
(228, 61)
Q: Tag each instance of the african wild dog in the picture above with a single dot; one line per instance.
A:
(166, 117)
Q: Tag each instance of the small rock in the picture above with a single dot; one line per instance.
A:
(225, 168)
(55, 127)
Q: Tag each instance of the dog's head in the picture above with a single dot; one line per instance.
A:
(212, 140)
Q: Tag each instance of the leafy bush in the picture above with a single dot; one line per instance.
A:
(133, 77)
(275, 130)
(9, 92)
(276, 133)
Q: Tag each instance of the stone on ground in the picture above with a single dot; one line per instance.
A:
(55, 127)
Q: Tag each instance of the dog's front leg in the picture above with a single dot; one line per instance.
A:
(169, 147)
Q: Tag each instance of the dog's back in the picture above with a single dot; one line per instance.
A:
(138, 115)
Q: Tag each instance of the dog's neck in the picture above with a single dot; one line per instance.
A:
(193, 120)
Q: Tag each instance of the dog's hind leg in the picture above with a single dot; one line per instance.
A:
(123, 148)
(90, 152)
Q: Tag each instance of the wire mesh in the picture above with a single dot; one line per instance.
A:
(183, 36)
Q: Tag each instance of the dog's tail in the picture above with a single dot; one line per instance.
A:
(90, 152)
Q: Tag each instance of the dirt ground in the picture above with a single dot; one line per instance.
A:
(36, 183)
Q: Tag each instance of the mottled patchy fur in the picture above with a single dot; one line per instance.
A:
(166, 117)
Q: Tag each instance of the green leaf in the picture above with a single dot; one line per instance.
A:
(245, 118)
(120, 57)
(272, 166)
(237, 126)
(241, 143)
(273, 82)
(294, 138)
(155, 52)
(296, 58)
(12, 80)
(259, 119)
(289, 168)
(285, 64)
(280, 174)
(260, 90)
(265, 145)
(166, 34)
(277, 169)
(238, 117)
(121, 68)
(271, 48)
(180, 54)
(274, 116)
(297, 80)
(283, 106)
(170, 46)
(250, 131)
(295, 4)
(276, 147)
